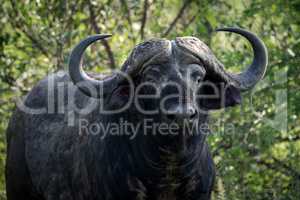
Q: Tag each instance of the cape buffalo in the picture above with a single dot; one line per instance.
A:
(128, 135)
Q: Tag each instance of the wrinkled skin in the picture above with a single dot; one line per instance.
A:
(47, 159)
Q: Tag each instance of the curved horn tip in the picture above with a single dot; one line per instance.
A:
(232, 29)
(259, 64)
(100, 36)
(104, 35)
(76, 72)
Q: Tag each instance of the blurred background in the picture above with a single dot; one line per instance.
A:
(258, 156)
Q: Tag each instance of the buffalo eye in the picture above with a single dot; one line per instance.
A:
(151, 73)
(199, 80)
(197, 73)
(197, 76)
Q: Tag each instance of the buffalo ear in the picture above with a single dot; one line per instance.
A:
(218, 95)
(119, 97)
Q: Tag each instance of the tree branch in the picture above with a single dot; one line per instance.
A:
(289, 139)
(288, 168)
(276, 165)
(280, 166)
(21, 24)
(221, 145)
(104, 42)
(144, 19)
(178, 16)
(209, 29)
(186, 25)
(128, 14)
(34, 40)
(73, 7)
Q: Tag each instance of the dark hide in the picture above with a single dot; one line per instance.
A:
(47, 159)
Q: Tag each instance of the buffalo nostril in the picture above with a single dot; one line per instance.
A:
(193, 113)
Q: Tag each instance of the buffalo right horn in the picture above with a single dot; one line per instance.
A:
(255, 72)
(84, 81)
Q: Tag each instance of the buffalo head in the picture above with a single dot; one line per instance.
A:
(181, 77)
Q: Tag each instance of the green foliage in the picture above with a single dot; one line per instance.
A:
(260, 158)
